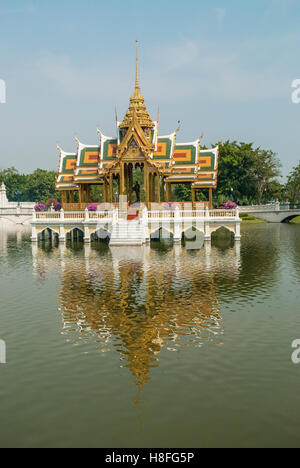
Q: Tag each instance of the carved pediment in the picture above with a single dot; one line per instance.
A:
(133, 153)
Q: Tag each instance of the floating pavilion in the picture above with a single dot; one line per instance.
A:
(137, 145)
(127, 216)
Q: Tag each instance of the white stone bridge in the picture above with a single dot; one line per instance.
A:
(273, 212)
(16, 213)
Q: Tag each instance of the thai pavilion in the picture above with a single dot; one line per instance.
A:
(137, 146)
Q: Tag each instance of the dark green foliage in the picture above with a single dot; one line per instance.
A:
(36, 187)
(247, 175)
(293, 185)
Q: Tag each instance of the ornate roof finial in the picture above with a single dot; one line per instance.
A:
(58, 147)
(137, 104)
(137, 84)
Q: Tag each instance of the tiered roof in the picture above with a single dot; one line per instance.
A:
(138, 135)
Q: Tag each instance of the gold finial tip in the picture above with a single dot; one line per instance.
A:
(137, 85)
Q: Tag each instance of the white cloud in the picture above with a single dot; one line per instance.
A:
(83, 81)
(187, 70)
(203, 71)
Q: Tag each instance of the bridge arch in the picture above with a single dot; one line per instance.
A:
(160, 232)
(223, 228)
(75, 233)
(48, 230)
(290, 218)
(194, 229)
(102, 234)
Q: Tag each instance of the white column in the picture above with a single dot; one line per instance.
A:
(207, 235)
(62, 236)
(87, 238)
(238, 231)
(207, 247)
(33, 233)
(146, 224)
(114, 217)
(177, 232)
(238, 225)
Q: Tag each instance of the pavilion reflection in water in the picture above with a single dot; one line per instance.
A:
(139, 300)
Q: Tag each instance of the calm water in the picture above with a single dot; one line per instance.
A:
(153, 347)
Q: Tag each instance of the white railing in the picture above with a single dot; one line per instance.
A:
(223, 213)
(100, 215)
(194, 214)
(176, 215)
(62, 215)
(15, 211)
(255, 208)
(46, 215)
(161, 214)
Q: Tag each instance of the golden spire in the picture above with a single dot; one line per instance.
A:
(137, 105)
(137, 84)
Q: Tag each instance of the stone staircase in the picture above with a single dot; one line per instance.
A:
(126, 232)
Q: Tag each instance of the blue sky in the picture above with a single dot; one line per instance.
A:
(224, 67)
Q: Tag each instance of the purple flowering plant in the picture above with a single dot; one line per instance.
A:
(92, 207)
(230, 205)
(39, 207)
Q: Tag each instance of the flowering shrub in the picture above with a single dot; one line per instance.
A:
(93, 208)
(169, 206)
(39, 207)
(230, 205)
(52, 201)
(57, 207)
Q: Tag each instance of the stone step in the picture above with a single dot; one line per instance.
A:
(127, 233)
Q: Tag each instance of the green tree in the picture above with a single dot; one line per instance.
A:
(41, 186)
(247, 174)
(293, 184)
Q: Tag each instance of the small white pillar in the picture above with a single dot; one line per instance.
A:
(3, 198)
(145, 221)
(207, 233)
(238, 231)
(33, 234)
(177, 232)
(114, 216)
(87, 237)
(62, 236)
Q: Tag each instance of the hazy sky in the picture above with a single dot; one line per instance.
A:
(224, 67)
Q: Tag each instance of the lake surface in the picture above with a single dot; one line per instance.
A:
(151, 347)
